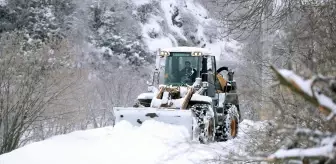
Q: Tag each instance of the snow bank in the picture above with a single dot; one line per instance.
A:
(153, 142)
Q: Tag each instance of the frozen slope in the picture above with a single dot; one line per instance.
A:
(196, 28)
(153, 142)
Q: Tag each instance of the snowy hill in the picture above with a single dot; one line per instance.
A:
(153, 142)
(174, 21)
(118, 30)
(138, 32)
(191, 24)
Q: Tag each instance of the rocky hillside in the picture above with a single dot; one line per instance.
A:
(116, 30)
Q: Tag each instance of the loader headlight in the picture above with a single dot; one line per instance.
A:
(164, 53)
(197, 53)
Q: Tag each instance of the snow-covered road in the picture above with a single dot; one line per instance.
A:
(153, 142)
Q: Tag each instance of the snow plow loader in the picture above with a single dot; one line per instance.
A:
(187, 89)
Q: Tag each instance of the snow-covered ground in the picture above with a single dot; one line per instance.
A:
(153, 142)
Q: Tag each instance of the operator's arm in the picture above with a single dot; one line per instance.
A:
(193, 76)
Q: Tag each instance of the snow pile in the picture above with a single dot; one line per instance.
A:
(153, 142)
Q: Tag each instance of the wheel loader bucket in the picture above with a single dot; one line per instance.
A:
(136, 116)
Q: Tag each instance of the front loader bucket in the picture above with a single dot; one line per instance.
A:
(136, 116)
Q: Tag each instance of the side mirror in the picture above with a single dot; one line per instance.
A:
(230, 75)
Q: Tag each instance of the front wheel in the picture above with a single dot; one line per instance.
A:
(204, 127)
(231, 123)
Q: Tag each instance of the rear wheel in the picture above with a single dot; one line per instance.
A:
(231, 123)
(204, 127)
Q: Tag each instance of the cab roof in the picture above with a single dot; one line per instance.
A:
(204, 51)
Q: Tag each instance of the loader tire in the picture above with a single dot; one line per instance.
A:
(231, 123)
(205, 123)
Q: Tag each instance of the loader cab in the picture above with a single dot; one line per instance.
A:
(183, 65)
(181, 68)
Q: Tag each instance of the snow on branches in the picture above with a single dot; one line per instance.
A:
(320, 91)
(323, 96)
(325, 147)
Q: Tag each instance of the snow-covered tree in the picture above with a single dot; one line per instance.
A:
(30, 81)
(311, 145)
(39, 20)
(115, 30)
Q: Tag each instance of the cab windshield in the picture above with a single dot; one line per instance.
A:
(181, 69)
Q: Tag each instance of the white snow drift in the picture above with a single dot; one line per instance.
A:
(153, 142)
